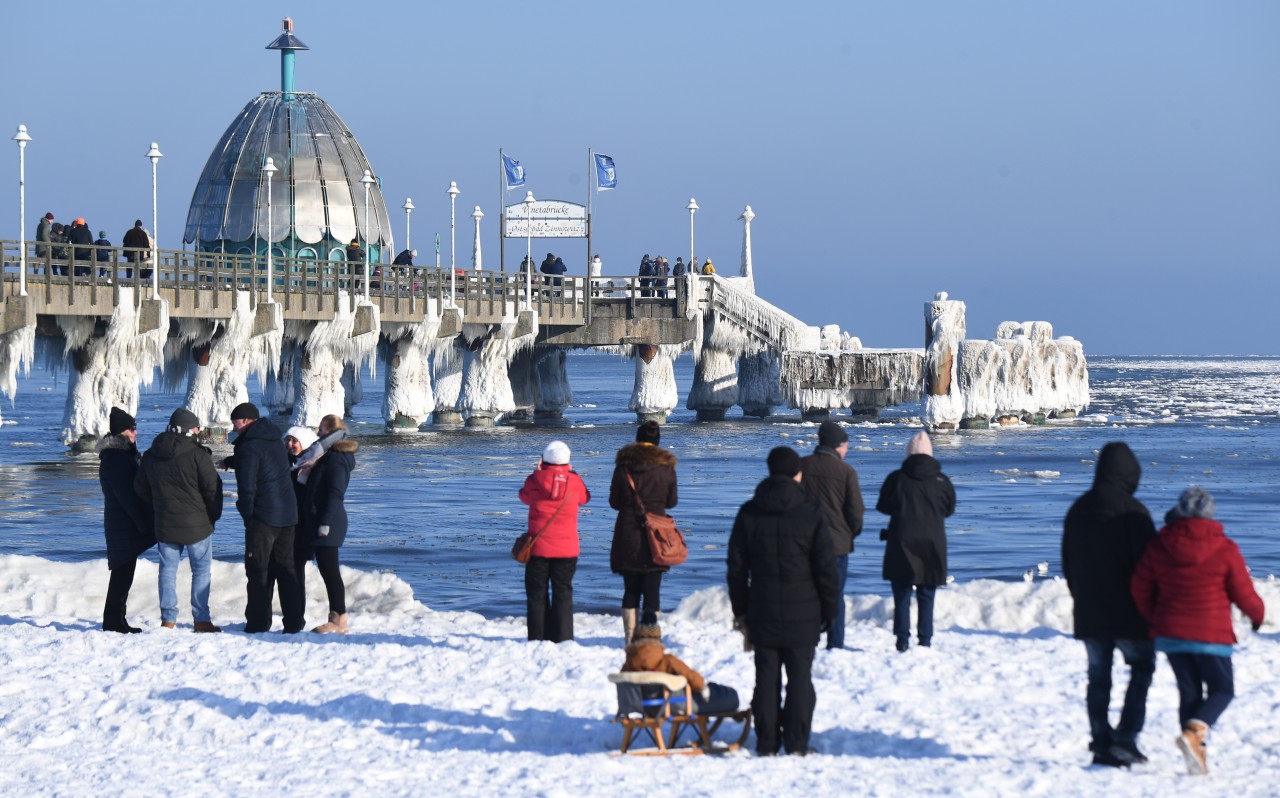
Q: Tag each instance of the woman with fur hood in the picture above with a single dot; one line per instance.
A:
(324, 471)
(647, 654)
(653, 472)
(126, 518)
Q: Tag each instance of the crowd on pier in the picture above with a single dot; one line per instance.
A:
(75, 243)
(1135, 590)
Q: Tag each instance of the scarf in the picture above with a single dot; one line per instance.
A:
(308, 459)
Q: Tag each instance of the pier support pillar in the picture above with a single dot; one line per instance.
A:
(486, 381)
(944, 330)
(221, 360)
(524, 387)
(407, 400)
(446, 370)
(17, 344)
(330, 346)
(554, 392)
(654, 395)
(280, 390)
(759, 384)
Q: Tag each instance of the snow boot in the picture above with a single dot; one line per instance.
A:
(337, 623)
(1193, 745)
(629, 624)
(1127, 752)
(206, 626)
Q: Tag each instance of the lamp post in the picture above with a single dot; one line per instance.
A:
(528, 257)
(477, 214)
(269, 169)
(154, 154)
(366, 181)
(693, 208)
(453, 193)
(408, 209)
(22, 138)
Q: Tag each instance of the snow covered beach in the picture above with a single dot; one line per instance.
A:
(419, 702)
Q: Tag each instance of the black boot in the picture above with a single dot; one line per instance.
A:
(113, 614)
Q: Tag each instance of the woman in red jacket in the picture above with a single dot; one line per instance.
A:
(1185, 584)
(554, 492)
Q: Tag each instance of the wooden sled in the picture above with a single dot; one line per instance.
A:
(657, 705)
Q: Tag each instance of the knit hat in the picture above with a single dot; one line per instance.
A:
(49, 216)
(783, 462)
(121, 421)
(183, 421)
(102, 234)
(1195, 502)
(137, 223)
(303, 435)
(649, 432)
(831, 434)
(556, 453)
(920, 444)
(245, 410)
(648, 626)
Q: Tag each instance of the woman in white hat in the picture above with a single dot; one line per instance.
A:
(554, 492)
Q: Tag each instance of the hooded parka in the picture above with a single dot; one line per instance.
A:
(178, 478)
(1103, 537)
(917, 498)
(654, 471)
(262, 476)
(126, 519)
(833, 483)
(554, 493)
(324, 494)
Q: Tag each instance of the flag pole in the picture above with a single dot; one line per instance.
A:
(591, 178)
(502, 214)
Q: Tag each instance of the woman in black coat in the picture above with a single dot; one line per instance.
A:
(325, 471)
(653, 469)
(126, 518)
(916, 497)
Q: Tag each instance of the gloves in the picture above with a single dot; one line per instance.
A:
(324, 531)
(740, 623)
(884, 534)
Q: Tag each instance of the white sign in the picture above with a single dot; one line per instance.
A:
(546, 219)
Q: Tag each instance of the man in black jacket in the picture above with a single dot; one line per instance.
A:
(782, 585)
(833, 483)
(1103, 537)
(270, 511)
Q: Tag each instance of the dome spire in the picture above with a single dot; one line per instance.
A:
(287, 43)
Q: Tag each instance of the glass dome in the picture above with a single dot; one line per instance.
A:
(316, 194)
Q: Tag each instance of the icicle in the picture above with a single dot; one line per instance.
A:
(655, 394)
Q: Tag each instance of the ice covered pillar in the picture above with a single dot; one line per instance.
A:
(446, 370)
(654, 395)
(281, 388)
(408, 399)
(222, 356)
(554, 393)
(106, 371)
(759, 383)
(944, 330)
(486, 382)
(17, 346)
(330, 347)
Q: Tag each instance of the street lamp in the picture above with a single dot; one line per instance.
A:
(367, 181)
(269, 169)
(408, 209)
(477, 214)
(154, 154)
(528, 258)
(693, 208)
(453, 242)
(22, 138)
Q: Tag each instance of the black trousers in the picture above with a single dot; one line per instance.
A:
(642, 583)
(788, 723)
(550, 620)
(326, 558)
(118, 594)
(268, 557)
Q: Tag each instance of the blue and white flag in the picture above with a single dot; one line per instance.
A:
(606, 175)
(515, 172)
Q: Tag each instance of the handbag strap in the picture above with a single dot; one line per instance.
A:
(636, 493)
(553, 516)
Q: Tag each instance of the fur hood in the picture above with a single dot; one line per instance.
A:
(644, 455)
(115, 442)
(348, 445)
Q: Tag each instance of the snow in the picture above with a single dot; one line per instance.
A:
(420, 702)
(17, 351)
(654, 392)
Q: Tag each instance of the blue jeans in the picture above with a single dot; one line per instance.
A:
(835, 635)
(1206, 684)
(902, 612)
(200, 555)
(1140, 656)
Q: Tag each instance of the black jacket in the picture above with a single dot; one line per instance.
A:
(1103, 537)
(126, 519)
(833, 483)
(654, 471)
(135, 238)
(262, 476)
(916, 497)
(178, 478)
(80, 235)
(782, 566)
(324, 492)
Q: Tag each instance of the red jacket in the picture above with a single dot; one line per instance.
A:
(1187, 580)
(545, 490)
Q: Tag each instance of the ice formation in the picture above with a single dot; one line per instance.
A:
(715, 370)
(654, 395)
(446, 377)
(408, 400)
(17, 350)
(944, 402)
(107, 371)
(760, 383)
(554, 391)
(524, 389)
(860, 379)
(328, 347)
(486, 386)
(281, 388)
(223, 354)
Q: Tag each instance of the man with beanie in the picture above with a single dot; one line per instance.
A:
(178, 478)
(833, 484)
(126, 518)
(783, 589)
(44, 235)
(269, 508)
(1103, 538)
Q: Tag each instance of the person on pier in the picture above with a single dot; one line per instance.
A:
(127, 520)
(644, 470)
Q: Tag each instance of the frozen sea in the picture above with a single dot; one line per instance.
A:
(436, 691)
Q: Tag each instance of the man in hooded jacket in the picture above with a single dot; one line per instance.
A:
(783, 588)
(833, 483)
(1103, 538)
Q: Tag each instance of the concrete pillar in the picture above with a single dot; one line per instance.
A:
(554, 392)
(352, 387)
(280, 390)
(17, 348)
(446, 371)
(330, 347)
(654, 394)
(222, 360)
(524, 386)
(759, 383)
(715, 384)
(944, 330)
(486, 382)
(407, 400)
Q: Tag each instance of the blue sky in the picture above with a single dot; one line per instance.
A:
(1113, 168)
